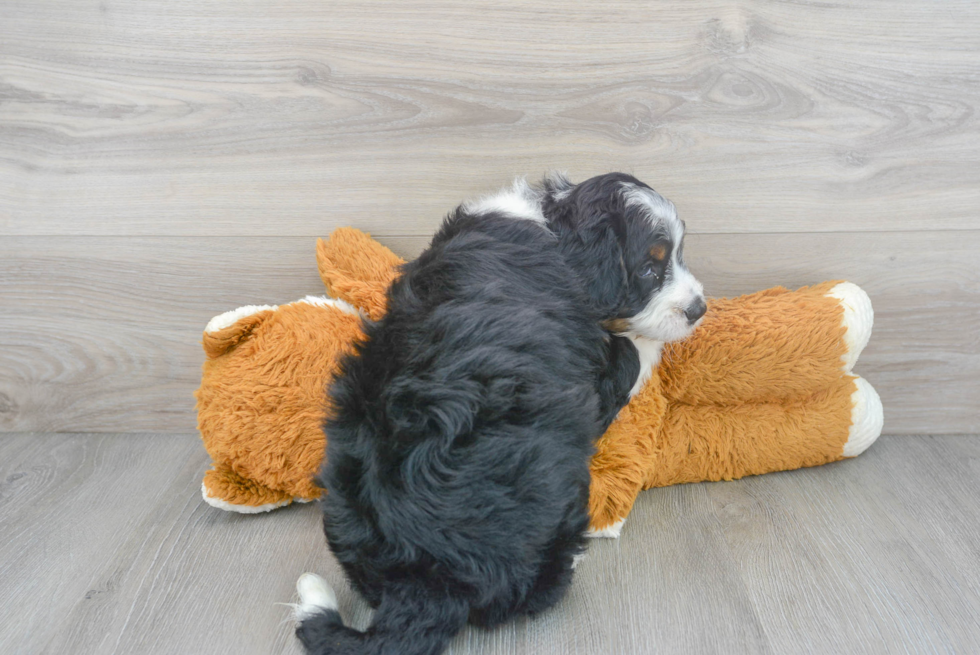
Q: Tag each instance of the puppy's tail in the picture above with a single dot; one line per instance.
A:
(411, 620)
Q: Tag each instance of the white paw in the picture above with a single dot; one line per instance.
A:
(221, 321)
(608, 532)
(859, 318)
(315, 595)
(867, 418)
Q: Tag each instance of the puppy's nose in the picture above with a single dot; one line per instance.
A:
(695, 310)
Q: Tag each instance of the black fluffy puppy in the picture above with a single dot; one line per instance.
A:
(457, 467)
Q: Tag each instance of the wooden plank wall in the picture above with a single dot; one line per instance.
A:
(161, 162)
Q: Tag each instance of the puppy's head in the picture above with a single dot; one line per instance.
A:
(627, 242)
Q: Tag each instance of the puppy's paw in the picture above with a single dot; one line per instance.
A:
(315, 596)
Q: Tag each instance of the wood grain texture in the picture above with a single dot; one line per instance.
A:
(108, 548)
(103, 333)
(804, 544)
(163, 161)
(231, 118)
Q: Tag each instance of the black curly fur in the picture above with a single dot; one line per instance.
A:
(457, 465)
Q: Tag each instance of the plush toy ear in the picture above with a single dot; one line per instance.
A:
(225, 331)
(357, 269)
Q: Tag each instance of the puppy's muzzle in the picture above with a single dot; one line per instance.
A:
(695, 310)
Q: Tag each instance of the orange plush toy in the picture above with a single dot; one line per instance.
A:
(763, 385)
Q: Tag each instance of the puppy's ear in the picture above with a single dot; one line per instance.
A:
(595, 251)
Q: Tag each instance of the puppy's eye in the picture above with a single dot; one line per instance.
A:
(648, 271)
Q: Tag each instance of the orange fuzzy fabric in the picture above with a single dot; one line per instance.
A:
(357, 269)
(656, 443)
(768, 346)
(261, 403)
(758, 388)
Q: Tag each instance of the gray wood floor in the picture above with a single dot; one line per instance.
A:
(106, 547)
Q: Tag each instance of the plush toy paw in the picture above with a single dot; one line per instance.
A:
(867, 418)
(858, 319)
(225, 489)
(867, 414)
(623, 457)
(610, 531)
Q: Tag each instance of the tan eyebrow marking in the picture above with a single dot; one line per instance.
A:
(616, 325)
(658, 252)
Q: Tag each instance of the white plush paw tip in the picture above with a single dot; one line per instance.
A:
(217, 503)
(611, 531)
(315, 595)
(859, 318)
(867, 418)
